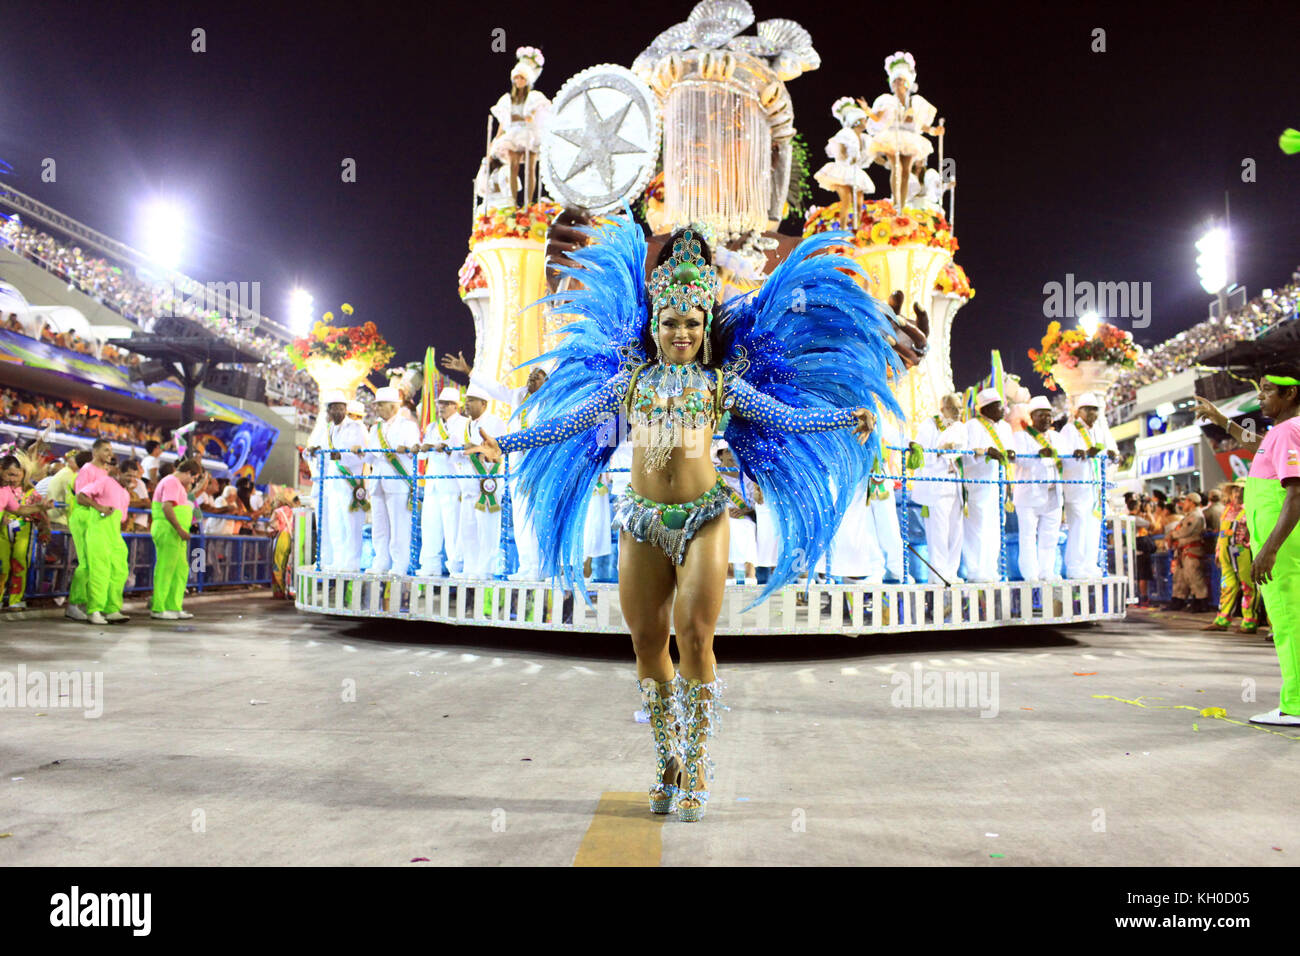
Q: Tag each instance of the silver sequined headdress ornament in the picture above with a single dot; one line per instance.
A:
(684, 281)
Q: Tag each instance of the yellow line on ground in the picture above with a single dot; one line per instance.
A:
(623, 832)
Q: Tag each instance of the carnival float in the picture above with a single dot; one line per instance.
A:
(701, 128)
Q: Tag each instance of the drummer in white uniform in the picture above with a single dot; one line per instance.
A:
(1038, 506)
(440, 519)
(941, 499)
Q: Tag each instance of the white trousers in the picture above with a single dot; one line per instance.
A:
(742, 547)
(1039, 532)
(480, 539)
(390, 532)
(521, 519)
(889, 536)
(439, 530)
(340, 537)
(981, 536)
(766, 545)
(1083, 538)
(943, 537)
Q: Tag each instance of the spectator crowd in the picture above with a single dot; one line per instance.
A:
(1182, 352)
(138, 300)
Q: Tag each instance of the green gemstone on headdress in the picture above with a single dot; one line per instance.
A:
(686, 272)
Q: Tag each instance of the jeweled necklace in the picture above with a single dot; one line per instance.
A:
(666, 419)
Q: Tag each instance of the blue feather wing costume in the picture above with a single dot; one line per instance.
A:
(801, 352)
(810, 338)
(594, 362)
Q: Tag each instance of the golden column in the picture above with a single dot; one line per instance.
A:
(912, 268)
(505, 333)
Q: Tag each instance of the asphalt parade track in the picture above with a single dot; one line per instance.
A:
(255, 735)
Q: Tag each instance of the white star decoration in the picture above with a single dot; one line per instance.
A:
(598, 141)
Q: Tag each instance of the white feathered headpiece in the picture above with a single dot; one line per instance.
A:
(530, 63)
(847, 111)
(901, 64)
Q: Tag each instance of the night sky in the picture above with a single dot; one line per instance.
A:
(1104, 165)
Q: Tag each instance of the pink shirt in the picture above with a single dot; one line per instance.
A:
(171, 489)
(1279, 453)
(105, 491)
(8, 499)
(85, 475)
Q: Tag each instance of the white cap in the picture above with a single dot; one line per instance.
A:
(721, 445)
(987, 396)
(1088, 398)
(449, 394)
(333, 398)
(474, 391)
(1040, 401)
(356, 408)
(388, 394)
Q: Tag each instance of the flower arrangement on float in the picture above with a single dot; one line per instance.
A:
(356, 345)
(952, 280)
(513, 223)
(1065, 353)
(881, 224)
(470, 276)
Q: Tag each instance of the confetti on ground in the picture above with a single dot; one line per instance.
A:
(525, 758)
(998, 856)
(1026, 708)
(419, 859)
(1217, 713)
(1278, 848)
(15, 778)
(3, 835)
(746, 800)
(259, 702)
(1085, 673)
(990, 834)
(640, 717)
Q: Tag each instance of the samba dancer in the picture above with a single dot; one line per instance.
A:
(793, 354)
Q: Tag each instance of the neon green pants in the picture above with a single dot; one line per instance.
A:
(106, 549)
(1281, 595)
(171, 566)
(13, 560)
(77, 515)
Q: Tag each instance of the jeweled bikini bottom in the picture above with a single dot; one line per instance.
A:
(669, 527)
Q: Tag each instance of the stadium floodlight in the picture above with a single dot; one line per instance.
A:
(1089, 322)
(300, 311)
(163, 228)
(1212, 260)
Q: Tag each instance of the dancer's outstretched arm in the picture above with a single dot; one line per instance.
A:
(588, 415)
(747, 402)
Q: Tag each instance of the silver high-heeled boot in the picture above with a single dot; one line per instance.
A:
(701, 703)
(659, 702)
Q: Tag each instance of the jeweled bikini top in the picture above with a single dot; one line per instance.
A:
(674, 396)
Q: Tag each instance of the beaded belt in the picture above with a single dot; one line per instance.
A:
(669, 527)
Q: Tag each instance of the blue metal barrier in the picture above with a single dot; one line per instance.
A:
(227, 560)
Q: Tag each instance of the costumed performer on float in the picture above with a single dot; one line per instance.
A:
(898, 120)
(1272, 507)
(170, 529)
(521, 113)
(850, 154)
(805, 353)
